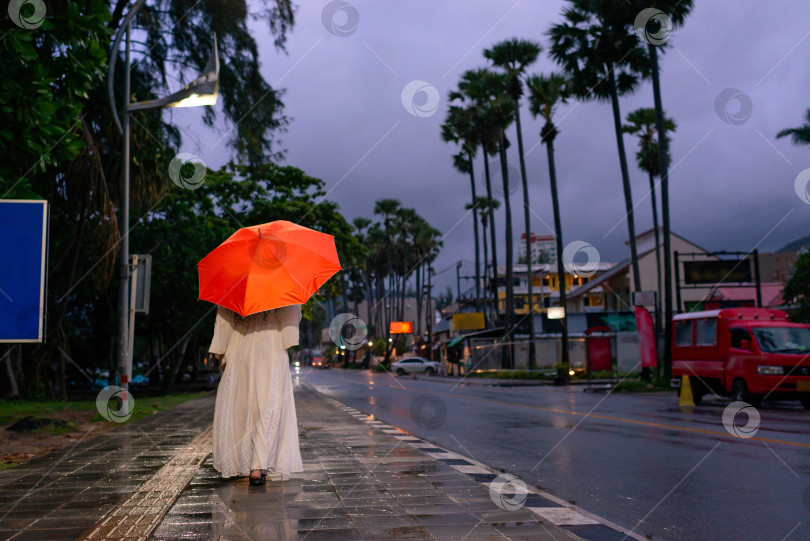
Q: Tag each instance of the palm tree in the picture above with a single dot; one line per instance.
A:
(800, 135)
(546, 92)
(486, 206)
(424, 240)
(676, 11)
(406, 220)
(360, 225)
(496, 113)
(459, 128)
(641, 122)
(603, 62)
(473, 93)
(387, 209)
(513, 57)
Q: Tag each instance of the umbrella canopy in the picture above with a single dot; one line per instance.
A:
(267, 266)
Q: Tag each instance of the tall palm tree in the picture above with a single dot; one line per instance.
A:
(513, 57)
(496, 113)
(486, 206)
(800, 135)
(406, 221)
(603, 62)
(489, 150)
(459, 128)
(387, 209)
(641, 123)
(676, 12)
(361, 225)
(473, 92)
(546, 92)
(464, 164)
(423, 238)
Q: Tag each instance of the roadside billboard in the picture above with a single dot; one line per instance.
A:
(24, 249)
(401, 327)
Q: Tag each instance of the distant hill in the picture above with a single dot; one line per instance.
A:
(796, 245)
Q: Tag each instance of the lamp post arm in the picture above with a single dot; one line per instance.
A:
(114, 57)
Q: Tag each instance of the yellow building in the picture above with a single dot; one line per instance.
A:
(545, 286)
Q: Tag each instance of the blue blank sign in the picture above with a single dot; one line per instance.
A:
(23, 262)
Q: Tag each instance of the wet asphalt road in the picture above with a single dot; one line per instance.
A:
(638, 460)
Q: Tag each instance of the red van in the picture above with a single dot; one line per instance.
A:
(745, 353)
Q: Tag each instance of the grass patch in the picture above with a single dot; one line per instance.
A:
(13, 410)
(512, 374)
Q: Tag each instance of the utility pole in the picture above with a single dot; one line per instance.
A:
(201, 91)
(458, 284)
(430, 312)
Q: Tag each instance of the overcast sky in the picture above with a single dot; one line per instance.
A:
(732, 185)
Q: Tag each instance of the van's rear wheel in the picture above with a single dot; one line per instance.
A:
(400, 372)
(805, 400)
(740, 393)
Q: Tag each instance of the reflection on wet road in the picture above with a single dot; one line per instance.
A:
(638, 460)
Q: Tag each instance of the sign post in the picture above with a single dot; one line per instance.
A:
(140, 283)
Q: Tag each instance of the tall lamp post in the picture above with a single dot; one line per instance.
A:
(201, 91)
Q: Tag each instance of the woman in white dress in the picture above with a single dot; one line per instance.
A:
(255, 427)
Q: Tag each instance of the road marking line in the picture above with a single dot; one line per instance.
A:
(442, 455)
(561, 516)
(470, 469)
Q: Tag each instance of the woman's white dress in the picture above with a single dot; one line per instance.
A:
(255, 426)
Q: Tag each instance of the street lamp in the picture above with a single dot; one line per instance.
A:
(201, 91)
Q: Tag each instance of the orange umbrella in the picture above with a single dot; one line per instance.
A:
(267, 266)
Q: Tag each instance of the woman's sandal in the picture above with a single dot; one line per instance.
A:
(257, 481)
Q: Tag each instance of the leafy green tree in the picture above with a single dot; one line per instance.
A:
(66, 146)
(194, 222)
(797, 289)
(546, 93)
(46, 76)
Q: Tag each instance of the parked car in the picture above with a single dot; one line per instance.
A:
(415, 364)
(744, 353)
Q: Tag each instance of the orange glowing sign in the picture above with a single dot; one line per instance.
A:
(401, 327)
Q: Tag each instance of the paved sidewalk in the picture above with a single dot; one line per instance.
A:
(363, 479)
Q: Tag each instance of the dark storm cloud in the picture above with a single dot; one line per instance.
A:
(732, 184)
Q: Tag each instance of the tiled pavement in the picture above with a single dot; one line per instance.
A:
(363, 479)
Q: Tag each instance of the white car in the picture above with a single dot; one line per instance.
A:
(415, 364)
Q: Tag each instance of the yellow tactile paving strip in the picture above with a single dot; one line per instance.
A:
(139, 515)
